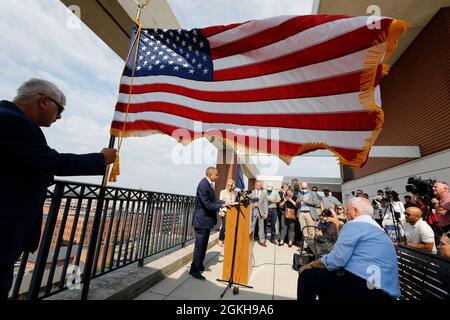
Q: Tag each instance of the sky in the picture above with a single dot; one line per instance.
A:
(42, 39)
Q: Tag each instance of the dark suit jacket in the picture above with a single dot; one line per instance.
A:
(27, 166)
(206, 206)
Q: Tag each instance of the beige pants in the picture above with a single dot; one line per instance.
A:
(305, 219)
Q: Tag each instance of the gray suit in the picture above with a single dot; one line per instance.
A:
(308, 202)
(262, 213)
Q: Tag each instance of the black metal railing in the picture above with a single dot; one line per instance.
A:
(134, 225)
(423, 275)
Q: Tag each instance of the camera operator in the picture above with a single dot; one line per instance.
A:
(394, 206)
(442, 203)
(408, 202)
(393, 215)
(378, 212)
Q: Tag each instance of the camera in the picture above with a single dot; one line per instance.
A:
(421, 187)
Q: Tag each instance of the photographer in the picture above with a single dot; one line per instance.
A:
(394, 207)
(408, 202)
(328, 225)
(377, 207)
(393, 215)
(442, 203)
(289, 218)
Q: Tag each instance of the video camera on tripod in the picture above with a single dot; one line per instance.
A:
(422, 188)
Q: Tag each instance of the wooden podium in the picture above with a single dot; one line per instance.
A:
(244, 245)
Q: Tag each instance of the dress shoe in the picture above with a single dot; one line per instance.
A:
(274, 241)
(263, 244)
(197, 275)
(290, 245)
(280, 244)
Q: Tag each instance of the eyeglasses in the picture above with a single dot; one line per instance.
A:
(339, 208)
(60, 107)
(407, 214)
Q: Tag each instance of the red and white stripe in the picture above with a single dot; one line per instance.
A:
(298, 75)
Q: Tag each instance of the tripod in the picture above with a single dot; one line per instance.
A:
(395, 221)
(230, 281)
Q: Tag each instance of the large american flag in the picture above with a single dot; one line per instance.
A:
(313, 80)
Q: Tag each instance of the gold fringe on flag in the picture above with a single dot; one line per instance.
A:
(378, 55)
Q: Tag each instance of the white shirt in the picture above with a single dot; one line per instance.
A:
(419, 233)
(210, 182)
(398, 207)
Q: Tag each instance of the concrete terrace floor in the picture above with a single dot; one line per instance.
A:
(272, 278)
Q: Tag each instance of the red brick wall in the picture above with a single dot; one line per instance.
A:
(416, 97)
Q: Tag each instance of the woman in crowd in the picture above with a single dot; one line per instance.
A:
(340, 214)
(397, 207)
(288, 218)
(327, 225)
(228, 195)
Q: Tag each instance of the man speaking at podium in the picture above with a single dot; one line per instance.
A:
(204, 219)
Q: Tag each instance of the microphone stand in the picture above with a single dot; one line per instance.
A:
(231, 281)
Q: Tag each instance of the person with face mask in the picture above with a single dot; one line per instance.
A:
(273, 199)
(307, 203)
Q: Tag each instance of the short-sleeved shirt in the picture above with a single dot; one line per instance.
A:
(274, 197)
(421, 232)
(329, 201)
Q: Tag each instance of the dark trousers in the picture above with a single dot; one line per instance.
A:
(272, 218)
(287, 226)
(222, 229)
(201, 244)
(6, 279)
(335, 285)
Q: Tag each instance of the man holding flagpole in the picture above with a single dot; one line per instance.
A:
(28, 165)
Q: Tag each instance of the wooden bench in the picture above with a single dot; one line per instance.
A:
(423, 275)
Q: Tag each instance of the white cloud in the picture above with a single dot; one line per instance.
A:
(36, 42)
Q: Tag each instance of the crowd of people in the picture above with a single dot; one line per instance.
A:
(297, 211)
(363, 234)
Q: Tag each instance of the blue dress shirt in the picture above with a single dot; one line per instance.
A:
(366, 251)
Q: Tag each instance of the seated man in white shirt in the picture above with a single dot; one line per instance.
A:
(418, 233)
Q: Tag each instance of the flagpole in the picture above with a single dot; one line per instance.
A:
(101, 199)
